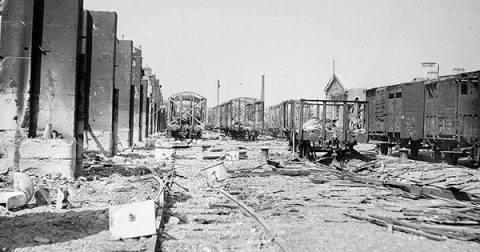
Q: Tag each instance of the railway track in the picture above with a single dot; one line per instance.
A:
(198, 219)
(299, 215)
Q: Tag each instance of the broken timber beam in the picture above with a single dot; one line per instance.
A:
(442, 193)
(396, 227)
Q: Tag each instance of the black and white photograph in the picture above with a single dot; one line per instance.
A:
(239, 125)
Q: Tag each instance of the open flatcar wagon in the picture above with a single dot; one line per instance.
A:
(320, 125)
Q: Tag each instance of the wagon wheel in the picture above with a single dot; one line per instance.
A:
(476, 164)
(436, 155)
(451, 158)
(414, 151)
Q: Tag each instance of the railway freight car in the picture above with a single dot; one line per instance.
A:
(279, 118)
(320, 125)
(241, 118)
(452, 116)
(186, 115)
(397, 115)
(440, 114)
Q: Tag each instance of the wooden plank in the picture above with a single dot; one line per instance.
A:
(434, 180)
(415, 226)
(396, 227)
(442, 193)
(449, 228)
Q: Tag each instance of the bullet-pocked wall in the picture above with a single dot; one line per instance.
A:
(136, 82)
(101, 132)
(40, 43)
(58, 72)
(123, 80)
(15, 49)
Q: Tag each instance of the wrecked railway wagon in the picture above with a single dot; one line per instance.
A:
(186, 115)
(397, 115)
(241, 118)
(440, 114)
(320, 125)
(452, 116)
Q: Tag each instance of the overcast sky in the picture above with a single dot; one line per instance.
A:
(191, 44)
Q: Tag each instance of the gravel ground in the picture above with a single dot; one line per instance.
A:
(302, 216)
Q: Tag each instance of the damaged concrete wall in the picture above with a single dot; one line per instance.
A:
(104, 36)
(150, 102)
(41, 39)
(123, 81)
(136, 82)
(15, 50)
(58, 72)
(154, 106)
(143, 108)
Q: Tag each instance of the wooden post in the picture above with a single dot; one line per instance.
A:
(324, 126)
(300, 124)
(345, 120)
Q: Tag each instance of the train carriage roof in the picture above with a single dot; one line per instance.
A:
(187, 95)
(250, 100)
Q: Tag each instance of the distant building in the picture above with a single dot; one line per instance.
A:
(337, 89)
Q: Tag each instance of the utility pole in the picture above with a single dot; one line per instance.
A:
(262, 114)
(217, 117)
(218, 92)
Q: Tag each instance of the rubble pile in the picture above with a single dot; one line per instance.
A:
(315, 126)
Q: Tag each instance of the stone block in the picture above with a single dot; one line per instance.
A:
(123, 119)
(101, 140)
(40, 156)
(104, 22)
(101, 104)
(123, 78)
(8, 110)
(37, 148)
(58, 77)
(136, 134)
(15, 75)
(103, 56)
(50, 149)
(136, 66)
(59, 43)
(65, 167)
(18, 10)
(62, 12)
(19, 42)
(123, 137)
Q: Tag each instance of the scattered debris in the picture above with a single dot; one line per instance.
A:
(23, 192)
(41, 239)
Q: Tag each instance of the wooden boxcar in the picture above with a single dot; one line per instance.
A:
(452, 116)
(241, 118)
(186, 115)
(440, 114)
(397, 115)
